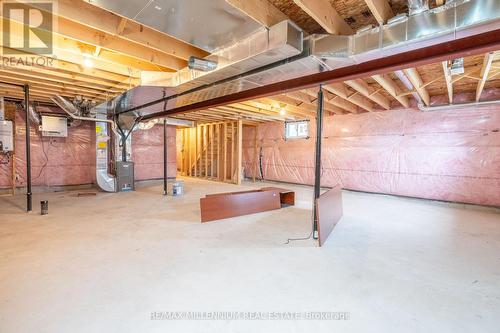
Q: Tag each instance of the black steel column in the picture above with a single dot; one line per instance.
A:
(317, 161)
(29, 199)
(165, 163)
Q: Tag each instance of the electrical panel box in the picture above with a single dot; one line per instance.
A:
(125, 176)
(6, 136)
(54, 126)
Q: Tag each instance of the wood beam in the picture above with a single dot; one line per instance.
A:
(327, 17)
(340, 90)
(310, 99)
(52, 90)
(274, 107)
(242, 110)
(447, 78)
(462, 46)
(380, 9)
(26, 78)
(256, 110)
(121, 26)
(418, 84)
(485, 70)
(84, 13)
(366, 90)
(58, 75)
(112, 42)
(327, 104)
(340, 102)
(261, 11)
(392, 88)
(72, 51)
(224, 152)
(239, 152)
(278, 101)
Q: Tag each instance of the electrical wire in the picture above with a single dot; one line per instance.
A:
(46, 159)
(302, 238)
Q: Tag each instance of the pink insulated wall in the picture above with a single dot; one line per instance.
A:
(71, 160)
(445, 155)
(147, 153)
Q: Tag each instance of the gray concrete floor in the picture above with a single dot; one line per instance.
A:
(104, 263)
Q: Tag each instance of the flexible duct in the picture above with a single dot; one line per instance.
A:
(72, 111)
(105, 180)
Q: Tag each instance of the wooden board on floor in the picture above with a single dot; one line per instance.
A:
(287, 197)
(329, 212)
(230, 204)
(226, 205)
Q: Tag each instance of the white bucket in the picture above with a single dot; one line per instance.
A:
(178, 188)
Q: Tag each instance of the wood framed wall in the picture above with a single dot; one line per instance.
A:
(212, 151)
(10, 114)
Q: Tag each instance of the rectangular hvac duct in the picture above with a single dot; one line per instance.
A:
(267, 46)
(207, 24)
(281, 53)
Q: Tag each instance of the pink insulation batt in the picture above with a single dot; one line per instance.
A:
(71, 160)
(443, 155)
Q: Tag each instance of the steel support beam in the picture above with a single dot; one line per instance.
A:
(317, 160)
(466, 46)
(29, 194)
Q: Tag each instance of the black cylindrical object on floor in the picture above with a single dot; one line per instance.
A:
(44, 207)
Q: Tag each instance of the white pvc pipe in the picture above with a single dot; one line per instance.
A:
(422, 107)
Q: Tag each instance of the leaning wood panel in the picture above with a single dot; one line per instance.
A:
(223, 206)
(329, 212)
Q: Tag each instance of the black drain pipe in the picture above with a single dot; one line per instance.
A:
(29, 195)
(317, 164)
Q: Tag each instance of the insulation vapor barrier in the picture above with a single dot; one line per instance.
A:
(71, 160)
(54, 161)
(147, 153)
(442, 155)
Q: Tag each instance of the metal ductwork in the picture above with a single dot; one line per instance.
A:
(34, 116)
(282, 53)
(417, 6)
(104, 179)
(208, 24)
(263, 48)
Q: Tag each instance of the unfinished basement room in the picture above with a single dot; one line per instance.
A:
(250, 166)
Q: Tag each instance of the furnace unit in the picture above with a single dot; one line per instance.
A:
(124, 176)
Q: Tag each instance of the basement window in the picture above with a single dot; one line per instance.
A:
(297, 130)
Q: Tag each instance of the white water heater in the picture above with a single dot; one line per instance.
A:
(6, 136)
